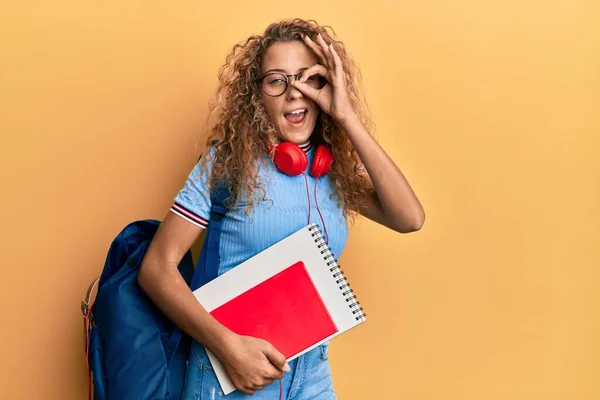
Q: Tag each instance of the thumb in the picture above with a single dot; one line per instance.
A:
(276, 358)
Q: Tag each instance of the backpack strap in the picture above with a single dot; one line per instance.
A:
(208, 265)
(86, 306)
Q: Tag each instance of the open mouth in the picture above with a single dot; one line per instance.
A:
(296, 116)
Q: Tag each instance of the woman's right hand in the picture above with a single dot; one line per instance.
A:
(251, 363)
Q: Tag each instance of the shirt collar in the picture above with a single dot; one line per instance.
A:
(307, 146)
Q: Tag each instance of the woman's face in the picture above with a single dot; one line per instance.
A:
(293, 114)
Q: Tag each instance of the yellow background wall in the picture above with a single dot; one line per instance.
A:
(490, 109)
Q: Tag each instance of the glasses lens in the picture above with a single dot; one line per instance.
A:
(274, 84)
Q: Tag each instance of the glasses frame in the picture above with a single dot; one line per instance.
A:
(287, 81)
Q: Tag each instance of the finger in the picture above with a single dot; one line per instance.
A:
(267, 382)
(270, 373)
(275, 373)
(308, 91)
(246, 390)
(316, 49)
(324, 47)
(276, 358)
(316, 69)
(339, 68)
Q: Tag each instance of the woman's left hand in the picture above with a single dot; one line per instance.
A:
(333, 98)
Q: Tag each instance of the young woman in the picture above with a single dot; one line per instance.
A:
(292, 89)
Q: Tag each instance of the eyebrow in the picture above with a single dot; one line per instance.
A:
(284, 71)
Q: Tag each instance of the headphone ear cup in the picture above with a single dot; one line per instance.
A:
(321, 163)
(290, 158)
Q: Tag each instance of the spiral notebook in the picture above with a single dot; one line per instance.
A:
(293, 294)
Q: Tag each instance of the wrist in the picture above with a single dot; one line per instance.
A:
(220, 340)
(348, 121)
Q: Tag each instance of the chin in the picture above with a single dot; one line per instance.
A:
(297, 136)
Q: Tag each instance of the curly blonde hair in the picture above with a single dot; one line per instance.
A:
(242, 129)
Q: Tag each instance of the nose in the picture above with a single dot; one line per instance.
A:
(292, 92)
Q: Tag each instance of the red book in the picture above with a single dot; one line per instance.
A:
(271, 311)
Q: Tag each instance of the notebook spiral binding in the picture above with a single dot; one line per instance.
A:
(337, 274)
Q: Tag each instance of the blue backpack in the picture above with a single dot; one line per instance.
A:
(133, 351)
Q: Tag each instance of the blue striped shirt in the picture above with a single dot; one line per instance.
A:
(284, 211)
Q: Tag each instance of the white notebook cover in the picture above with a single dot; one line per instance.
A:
(300, 246)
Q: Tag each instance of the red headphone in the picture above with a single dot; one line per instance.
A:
(292, 160)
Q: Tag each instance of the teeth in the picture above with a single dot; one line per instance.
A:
(298, 111)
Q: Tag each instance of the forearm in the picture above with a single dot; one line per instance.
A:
(170, 293)
(396, 197)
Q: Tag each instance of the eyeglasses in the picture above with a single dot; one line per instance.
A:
(275, 84)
